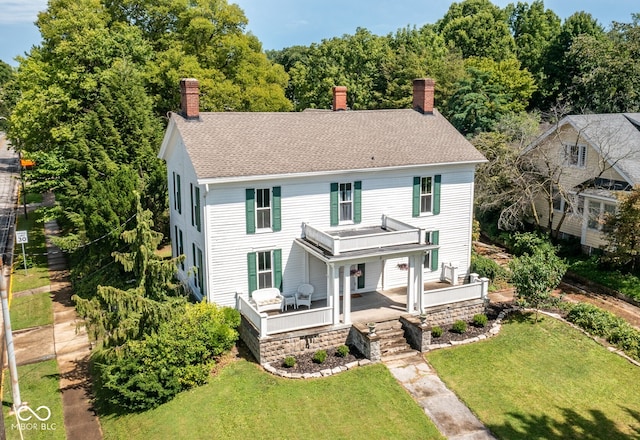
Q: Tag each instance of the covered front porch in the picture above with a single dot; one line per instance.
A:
(373, 306)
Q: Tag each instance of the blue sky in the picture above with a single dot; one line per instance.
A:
(283, 23)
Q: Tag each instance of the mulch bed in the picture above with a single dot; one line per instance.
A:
(448, 335)
(305, 364)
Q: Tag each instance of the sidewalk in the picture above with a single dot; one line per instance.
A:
(452, 417)
(71, 347)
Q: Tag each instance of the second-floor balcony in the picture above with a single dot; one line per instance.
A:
(390, 232)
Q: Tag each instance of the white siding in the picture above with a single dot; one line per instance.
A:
(307, 200)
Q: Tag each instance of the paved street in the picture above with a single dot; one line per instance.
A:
(8, 196)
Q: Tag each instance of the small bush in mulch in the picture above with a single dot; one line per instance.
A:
(305, 363)
(459, 327)
(289, 362)
(480, 320)
(447, 334)
(342, 351)
(320, 356)
(436, 331)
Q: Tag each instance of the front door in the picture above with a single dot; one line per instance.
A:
(357, 277)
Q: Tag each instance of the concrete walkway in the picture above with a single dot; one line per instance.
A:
(72, 349)
(452, 417)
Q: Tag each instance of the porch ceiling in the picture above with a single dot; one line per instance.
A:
(359, 255)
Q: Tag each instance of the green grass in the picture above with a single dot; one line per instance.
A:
(38, 386)
(625, 283)
(544, 380)
(31, 311)
(243, 402)
(37, 275)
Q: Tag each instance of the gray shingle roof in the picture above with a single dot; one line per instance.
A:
(222, 145)
(616, 136)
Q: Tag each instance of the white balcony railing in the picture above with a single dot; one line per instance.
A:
(392, 233)
(285, 322)
(453, 294)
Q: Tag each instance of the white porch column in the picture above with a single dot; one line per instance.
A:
(333, 278)
(420, 282)
(346, 292)
(411, 284)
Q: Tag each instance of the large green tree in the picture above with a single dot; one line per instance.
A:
(478, 28)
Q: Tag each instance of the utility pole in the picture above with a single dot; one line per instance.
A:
(11, 357)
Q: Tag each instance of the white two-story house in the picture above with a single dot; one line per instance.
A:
(345, 201)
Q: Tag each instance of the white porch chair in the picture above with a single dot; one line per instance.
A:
(303, 295)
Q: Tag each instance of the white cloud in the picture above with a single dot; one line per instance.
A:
(21, 11)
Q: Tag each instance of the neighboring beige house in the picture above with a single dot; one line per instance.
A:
(590, 160)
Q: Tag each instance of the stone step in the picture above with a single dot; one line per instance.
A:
(392, 341)
(400, 355)
(386, 325)
(390, 333)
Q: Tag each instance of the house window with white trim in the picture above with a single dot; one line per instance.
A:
(265, 270)
(430, 259)
(576, 155)
(263, 208)
(599, 212)
(346, 202)
(195, 207)
(198, 276)
(177, 197)
(426, 194)
(179, 245)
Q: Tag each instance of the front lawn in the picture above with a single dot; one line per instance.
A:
(39, 387)
(37, 274)
(544, 380)
(31, 311)
(244, 402)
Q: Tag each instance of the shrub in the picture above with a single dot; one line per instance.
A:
(459, 326)
(145, 373)
(486, 267)
(480, 320)
(614, 329)
(289, 361)
(342, 351)
(320, 356)
(436, 331)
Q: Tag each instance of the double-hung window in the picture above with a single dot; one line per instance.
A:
(426, 195)
(262, 209)
(179, 245)
(430, 260)
(177, 197)
(265, 269)
(346, 203)
(576, 155)
(198, 276)
(195, 207)
(599, 212)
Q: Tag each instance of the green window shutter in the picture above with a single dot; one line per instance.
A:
(178, 193)
(334, 204)
(201, 272)
(198, 219)
(436, 193)
(361, 277)
(193, 210)
(357, 201)
(277, 268)
(435, 239)
(277, 216)
(416, 197)
(252, 270)
(251, 210)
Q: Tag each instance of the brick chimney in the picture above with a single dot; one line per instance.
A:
(339, 98)
(190, 98)
(423, 91)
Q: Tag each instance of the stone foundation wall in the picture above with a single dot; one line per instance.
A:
(368, 345)
(417, 335)
(275, 347)
(449, 313)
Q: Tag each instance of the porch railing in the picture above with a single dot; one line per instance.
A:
(400, 234)
(453, 294)
(285, 322)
